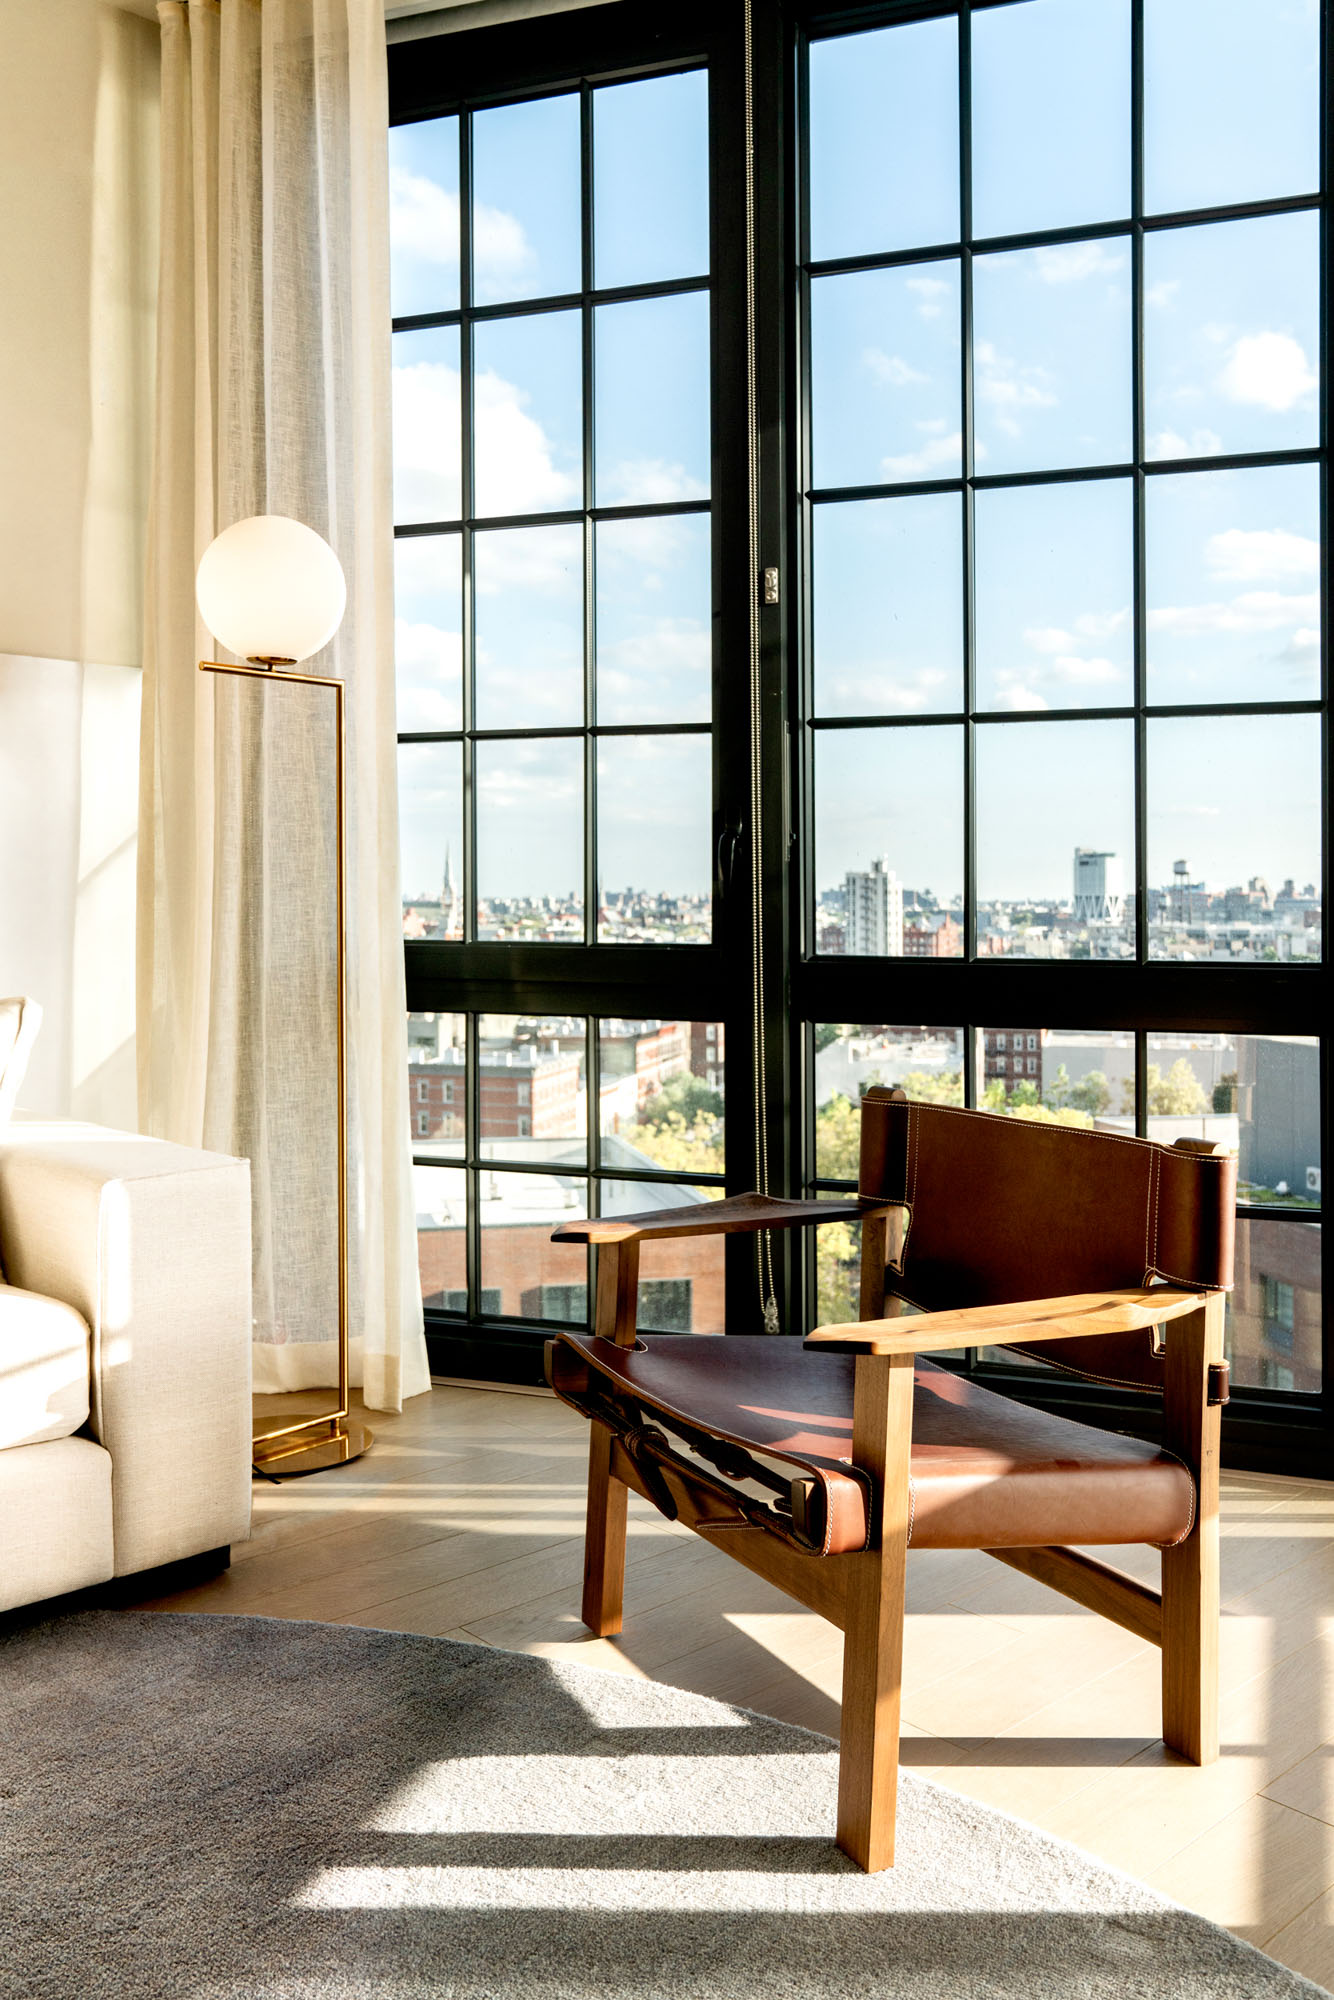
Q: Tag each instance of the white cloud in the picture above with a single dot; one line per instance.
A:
(1102, 624)
(1252, 611)
(1269, 370)
(1244, 554)
(524, 478)
(546, 560)
(1008, 387)
(424, 224)
(1048, 639)
(891, 369)
(1020, 695)
(426, 442)
(639, 481)
(1078, 671)
(1169, 811)
(886, 688)
(429, 664)
(936, 453)
(1202, 443)
(1163, 293)
(932, 293)
(1067, 263)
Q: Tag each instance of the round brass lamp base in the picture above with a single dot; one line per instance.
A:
(293, 1452)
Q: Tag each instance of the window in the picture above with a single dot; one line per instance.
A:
(1038, 713)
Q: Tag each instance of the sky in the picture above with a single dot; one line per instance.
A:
(1230, 354)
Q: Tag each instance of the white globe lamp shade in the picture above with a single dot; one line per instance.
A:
(271, 589)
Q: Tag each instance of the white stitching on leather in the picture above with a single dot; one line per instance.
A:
(1193, 1496)
(912, 1507)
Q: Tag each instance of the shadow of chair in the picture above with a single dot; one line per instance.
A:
(819, 1464)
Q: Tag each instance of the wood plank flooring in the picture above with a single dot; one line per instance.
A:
(466, 1518)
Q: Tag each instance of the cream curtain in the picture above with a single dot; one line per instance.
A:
(272, 397)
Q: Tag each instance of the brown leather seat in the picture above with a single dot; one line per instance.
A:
(986, 1472)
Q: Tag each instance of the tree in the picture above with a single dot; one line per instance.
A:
(837, 1139)
(1225, 1092)
(825, 1033)
(925, 1088)
(836, 1273)
(1092, 1093)
(682, 1096)
(1058, 1090)
(1176, 1095)
(671, 1143)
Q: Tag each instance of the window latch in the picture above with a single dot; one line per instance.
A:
(769, 586)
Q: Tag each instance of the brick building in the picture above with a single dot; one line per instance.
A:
(525, 1093)
(934, 935)
(1014, 1055)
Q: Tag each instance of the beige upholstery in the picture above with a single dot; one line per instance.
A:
(55, 1520)
(150, 1245)
(43, 1369)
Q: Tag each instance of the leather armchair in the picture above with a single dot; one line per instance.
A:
(1075, 1247)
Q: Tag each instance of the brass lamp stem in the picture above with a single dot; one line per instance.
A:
(290, 1448)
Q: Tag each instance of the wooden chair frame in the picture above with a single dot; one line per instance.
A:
(863, 1593)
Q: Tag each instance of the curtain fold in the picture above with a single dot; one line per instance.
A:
(273, 397)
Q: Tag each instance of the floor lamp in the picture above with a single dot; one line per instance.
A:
(273, 592)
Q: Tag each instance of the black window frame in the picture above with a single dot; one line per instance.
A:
(798, 988)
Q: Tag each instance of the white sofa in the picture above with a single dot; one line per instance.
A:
(125, 1326)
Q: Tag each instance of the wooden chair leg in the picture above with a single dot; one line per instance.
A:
(604, 1539)
(868, 1769)
(1190, 1570)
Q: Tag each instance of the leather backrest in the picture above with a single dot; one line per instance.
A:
(1000, 1209)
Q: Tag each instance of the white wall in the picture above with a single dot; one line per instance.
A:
(78, 167)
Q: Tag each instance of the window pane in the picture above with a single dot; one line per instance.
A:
(532, 1092)
(1273, 1315)
(884, 139)
(1083, 1076)
(1053, 595)
(850, 1056)
(530, 840)
(654, 619)
(1056, 839)
(440, 1198)
(651, 180)
(661, 1087)
(1231, 102)
(430, 834)
(527, 415)
(1051, 115)
(1233, 565)
(428, 631)
(1275, 1089)
(1191, 1088)
(437, 1094)
(888, 838)
(1234, 807)
(885, 375)
(534, 1277)
(424, 217)
(1231, 336)
(888, 606)
(1052, 356)
(652, 399)
(655, 817)
(528, 588)
(681, 1282)
(428, 476)
(526, 232)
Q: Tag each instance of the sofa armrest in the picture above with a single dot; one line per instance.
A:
(150, 1242)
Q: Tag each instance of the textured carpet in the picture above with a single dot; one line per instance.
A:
(198, 1808)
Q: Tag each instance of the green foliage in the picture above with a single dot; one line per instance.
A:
(1092, 1093)
(837, 1252)
(837, 1139)
(825, 1033)
(1225, 1092)
(1176, 1095)
(685, 1097)
(681, 1148)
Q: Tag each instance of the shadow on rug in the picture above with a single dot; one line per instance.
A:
(211, 1808)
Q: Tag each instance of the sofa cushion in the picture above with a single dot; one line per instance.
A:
(43, 1368)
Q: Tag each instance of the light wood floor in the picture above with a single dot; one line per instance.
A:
(465, 1519)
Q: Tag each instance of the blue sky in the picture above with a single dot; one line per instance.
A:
(1230, 366)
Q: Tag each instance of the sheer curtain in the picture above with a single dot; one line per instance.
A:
(272, 397)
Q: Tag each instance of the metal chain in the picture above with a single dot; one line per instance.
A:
(768, 1299)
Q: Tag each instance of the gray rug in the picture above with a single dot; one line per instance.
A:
(198, 1808)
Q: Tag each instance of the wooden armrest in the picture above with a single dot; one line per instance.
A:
(1079, 1317)
(739, 1213)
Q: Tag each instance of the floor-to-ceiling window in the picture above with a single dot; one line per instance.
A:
(1037, 323)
